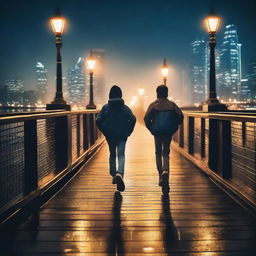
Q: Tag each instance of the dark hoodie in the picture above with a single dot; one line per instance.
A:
(115, 120)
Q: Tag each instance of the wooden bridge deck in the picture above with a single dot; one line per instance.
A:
(88, 217)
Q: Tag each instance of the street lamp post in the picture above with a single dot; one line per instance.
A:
(91, 61)
(212, 23)
(165, 70)
(58, 23)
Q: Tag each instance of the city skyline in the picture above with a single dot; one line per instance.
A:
(42, 88)
(136, 38)
(228, 69)
(229, 75)
(76, 83)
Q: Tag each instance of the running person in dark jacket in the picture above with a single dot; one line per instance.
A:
(162, 119)
(116, 121)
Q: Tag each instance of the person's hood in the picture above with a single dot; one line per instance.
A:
(116, 102)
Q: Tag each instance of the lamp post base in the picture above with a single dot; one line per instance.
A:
(56, 106)
(214, 107)
(91, 106)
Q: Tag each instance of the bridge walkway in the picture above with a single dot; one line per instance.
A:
(88, 216)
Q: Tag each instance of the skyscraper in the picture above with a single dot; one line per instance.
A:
(16, 90)
(245, 89)
(76, 83)
(252, 78)
(199, 70)
(41, 82)
(230, 65)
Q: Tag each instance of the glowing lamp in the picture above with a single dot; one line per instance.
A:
(141, 91)
(91, 62)
(165, 69)
(212, 23)
(57, 24)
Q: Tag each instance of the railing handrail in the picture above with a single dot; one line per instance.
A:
(27, 117)
(222, 116)
(42, 156)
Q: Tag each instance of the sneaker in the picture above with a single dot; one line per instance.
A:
(119, 182)
(165, 182)
(113, 180)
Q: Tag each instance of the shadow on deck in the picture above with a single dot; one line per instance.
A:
(88, 217)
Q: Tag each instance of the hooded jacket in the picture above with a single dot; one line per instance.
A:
(115, 120)
(163, 117)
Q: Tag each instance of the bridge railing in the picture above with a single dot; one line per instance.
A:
(36, 150)
(224, 146)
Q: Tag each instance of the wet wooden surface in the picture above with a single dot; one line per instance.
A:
(88, 217)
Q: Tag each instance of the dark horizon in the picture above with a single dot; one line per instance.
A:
(136, 36)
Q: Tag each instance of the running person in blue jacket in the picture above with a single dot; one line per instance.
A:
(116, 121)
(162, 119)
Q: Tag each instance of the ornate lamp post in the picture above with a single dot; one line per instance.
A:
(58, 22)
(212, 23)
(165, 70)
(91, 62)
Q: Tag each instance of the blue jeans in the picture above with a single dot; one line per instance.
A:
(119, 147)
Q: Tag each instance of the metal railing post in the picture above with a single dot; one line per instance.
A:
(78, 136)
(30, 155)
(213, 144)
(96, 131)
(181, 135)
(62, 145)
(224, 149)
(85, 131)
(191, 134)
(92, 130)
(202, 140)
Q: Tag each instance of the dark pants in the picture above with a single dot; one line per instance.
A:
(162, 147)
(119, 147)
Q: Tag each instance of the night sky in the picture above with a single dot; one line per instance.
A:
(136, 34)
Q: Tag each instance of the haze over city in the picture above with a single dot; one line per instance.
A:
(136, 36)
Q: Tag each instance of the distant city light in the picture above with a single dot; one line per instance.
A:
(141, 91)
(133, 101)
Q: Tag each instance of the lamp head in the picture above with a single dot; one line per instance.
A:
(165, 69)
(212, 22)
(57, 23)
(91, 62)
